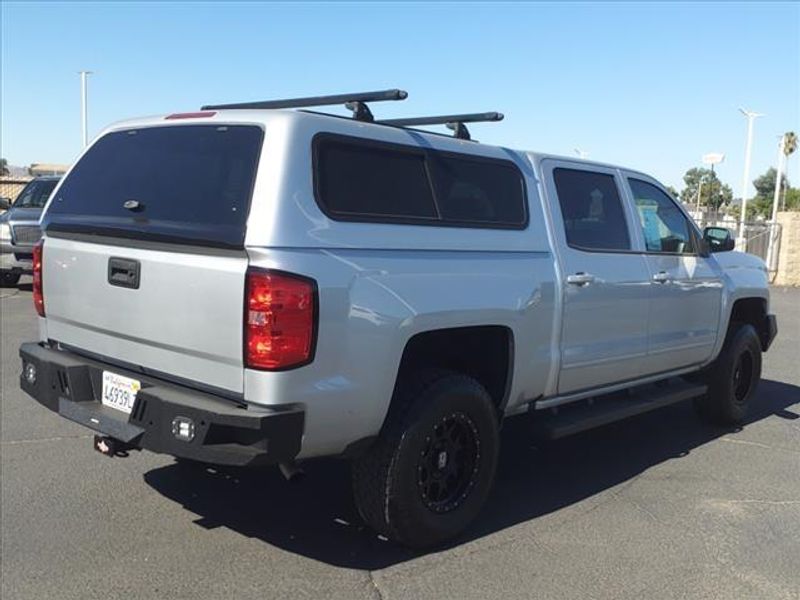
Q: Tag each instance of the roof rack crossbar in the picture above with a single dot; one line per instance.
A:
(443, 119)
(355, 102)
(454, 122)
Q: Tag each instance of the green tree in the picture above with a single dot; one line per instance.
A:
(759, 207)
(673, 192)
(3, 166)
(761, 204)
(792, 199)
(713, 193)
(765, 184)
(736, 210)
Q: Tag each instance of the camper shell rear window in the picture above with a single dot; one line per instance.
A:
(357, 179)
(188, 184)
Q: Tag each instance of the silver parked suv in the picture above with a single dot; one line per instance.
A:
(251, 285)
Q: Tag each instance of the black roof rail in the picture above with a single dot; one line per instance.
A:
(454, 122)
(355, 102)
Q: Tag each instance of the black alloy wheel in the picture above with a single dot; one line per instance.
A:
(448, 465)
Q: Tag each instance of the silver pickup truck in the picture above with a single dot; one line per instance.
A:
(254, 285)
(19, 229)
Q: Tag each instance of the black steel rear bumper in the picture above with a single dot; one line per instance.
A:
(224, 432)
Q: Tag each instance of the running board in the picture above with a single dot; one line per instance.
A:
(603, 410)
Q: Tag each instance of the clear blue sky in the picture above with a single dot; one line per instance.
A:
(651, 86)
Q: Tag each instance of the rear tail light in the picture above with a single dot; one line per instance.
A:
(38, 293)
(279, 321)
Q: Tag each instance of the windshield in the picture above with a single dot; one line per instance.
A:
(182, 184)
(36, 193)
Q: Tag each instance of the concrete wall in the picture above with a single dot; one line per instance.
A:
(789, 255)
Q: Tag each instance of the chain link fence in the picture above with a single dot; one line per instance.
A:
(10, 187)
(757, 235)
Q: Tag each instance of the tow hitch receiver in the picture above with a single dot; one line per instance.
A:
(111, 447)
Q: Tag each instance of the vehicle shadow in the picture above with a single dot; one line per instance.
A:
(316, 516)
(11, 290)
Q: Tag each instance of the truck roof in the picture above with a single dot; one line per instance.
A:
(278, 117)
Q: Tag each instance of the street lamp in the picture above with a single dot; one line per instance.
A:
(84, 108)
(773, 227)
(741, 242)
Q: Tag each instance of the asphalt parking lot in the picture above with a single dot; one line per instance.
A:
(659, 506)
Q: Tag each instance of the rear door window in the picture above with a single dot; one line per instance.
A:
(184, 184)
(36, 193)
(477, 191)
(374, 181)
(592, 210)
(364, 180)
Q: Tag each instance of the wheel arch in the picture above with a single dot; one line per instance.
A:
(484, 352)
(752, 310)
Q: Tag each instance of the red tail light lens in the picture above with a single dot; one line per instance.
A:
(38, 294)
(279, 320)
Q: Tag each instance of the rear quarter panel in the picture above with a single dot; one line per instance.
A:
(372, 302)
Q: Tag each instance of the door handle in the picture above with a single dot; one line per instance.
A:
(580, 279)
(661, 277)
(123, 272)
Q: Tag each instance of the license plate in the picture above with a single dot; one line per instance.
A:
(119, 392)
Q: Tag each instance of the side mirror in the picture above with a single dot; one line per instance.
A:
(5, 203)
(719, 239)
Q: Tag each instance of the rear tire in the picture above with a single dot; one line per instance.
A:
(429, 473)
(733, 377)
(8, 278)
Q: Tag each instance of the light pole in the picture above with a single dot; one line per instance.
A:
(741, 242)
(699, 194)
(84, 108)
(773, 227)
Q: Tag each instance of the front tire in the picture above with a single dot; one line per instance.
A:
(429, 473)
(733, 377)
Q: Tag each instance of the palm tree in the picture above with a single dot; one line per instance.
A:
(789, 143)
(789, 147)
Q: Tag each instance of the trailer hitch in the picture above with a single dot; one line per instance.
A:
(112, 447)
